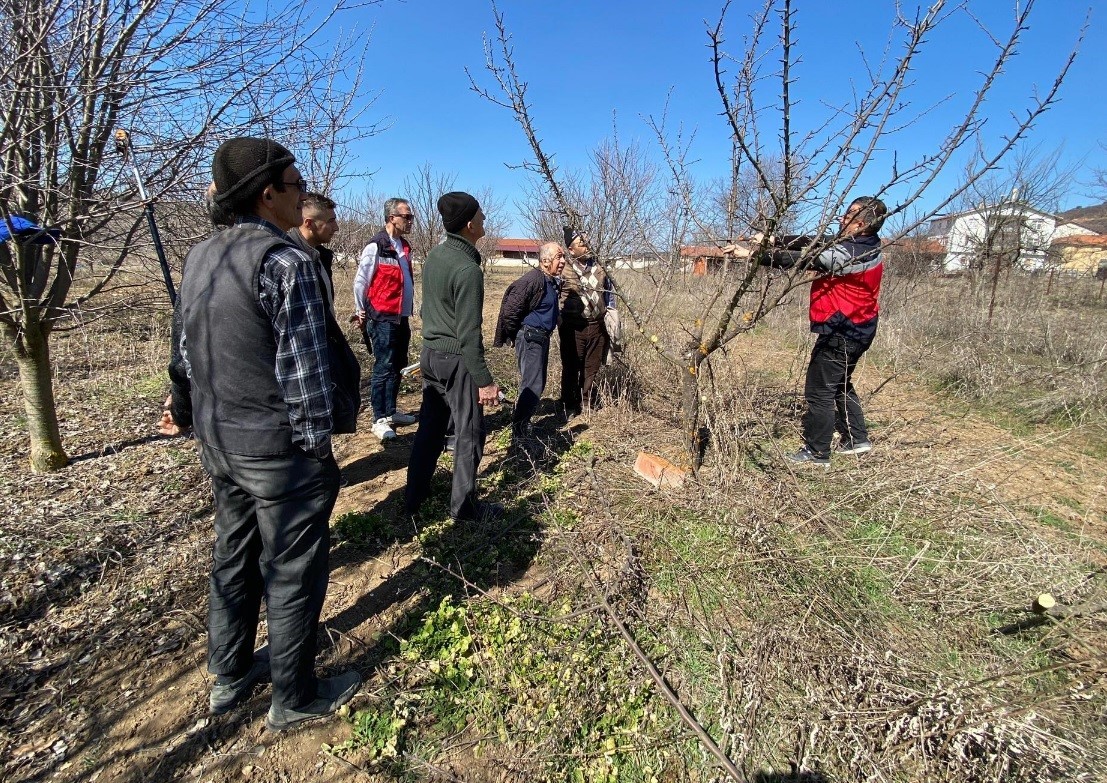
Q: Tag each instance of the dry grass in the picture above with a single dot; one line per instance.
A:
(822, 627)
(845, 623)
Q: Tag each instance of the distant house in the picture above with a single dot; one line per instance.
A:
(913, 255)
(702, 259)
(1081, 254)
(518, 250)
(1012, 227)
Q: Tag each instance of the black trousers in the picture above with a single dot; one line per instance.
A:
(448, 391)
(272, 537)
(832, 403)
(582, 349)
(532, 351)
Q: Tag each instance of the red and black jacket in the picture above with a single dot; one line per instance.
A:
(379, 284)
(844, 295)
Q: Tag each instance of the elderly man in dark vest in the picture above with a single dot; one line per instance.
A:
(271, 380)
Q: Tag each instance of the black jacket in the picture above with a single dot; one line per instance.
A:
(522, 296)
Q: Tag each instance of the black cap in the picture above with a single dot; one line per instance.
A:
(457, 209)
(244, 166)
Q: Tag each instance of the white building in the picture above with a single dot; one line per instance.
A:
(1010, 226)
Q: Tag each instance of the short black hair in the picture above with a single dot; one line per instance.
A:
(872, 211)
(318, 201)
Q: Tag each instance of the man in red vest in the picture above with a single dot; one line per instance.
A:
(844, 315)
(384, 290)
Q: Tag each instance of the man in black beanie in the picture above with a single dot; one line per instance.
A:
(456, 379)
(268, 388)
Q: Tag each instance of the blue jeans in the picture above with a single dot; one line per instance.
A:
(390, 345)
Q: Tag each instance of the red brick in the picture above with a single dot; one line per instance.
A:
(658, 470)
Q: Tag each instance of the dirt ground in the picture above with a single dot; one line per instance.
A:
(104, 577)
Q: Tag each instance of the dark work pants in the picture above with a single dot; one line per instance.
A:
(532, 351)
(832, 403)
(390, 346)
(271, 537)
(582, 349)
(448, 391)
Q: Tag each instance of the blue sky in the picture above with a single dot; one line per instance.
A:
(587, 62)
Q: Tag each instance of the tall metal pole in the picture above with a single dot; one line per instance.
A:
(123, 147)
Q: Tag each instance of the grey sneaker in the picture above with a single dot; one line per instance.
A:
(401, 419)
(330, 694)
(807, 457)
(228, 695)
(854, 447)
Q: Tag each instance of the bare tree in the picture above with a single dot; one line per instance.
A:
(423, 188)
(802, 176)
(182, 74)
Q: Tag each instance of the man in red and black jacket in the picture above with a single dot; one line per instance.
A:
(384, 293)
(844, 313)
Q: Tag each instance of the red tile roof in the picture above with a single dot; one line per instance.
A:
(695, 251)
(915, 245)
(517, 246)
(1078, 240)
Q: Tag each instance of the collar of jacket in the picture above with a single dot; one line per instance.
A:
(385, 248)
(254, 221)
(302, 243)
(459, 242)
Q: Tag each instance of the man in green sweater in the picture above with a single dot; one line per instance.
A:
(456, 379)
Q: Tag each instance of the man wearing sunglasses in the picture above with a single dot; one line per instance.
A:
(384, 292)
(255, 347)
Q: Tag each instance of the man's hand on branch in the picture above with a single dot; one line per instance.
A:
(737, 251)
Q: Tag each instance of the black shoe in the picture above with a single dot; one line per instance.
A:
(225, 696)
(330, 694)
(483, 512)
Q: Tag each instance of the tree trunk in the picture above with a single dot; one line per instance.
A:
(995, 286)
(690, 414)
(33, 358)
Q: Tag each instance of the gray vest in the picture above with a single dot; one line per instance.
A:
(237, 404)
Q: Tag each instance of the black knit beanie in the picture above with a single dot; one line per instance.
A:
(244, 166)
(457, 209)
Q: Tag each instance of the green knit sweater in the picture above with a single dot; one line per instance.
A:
(453, 304)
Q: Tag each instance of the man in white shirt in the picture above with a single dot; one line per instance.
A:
(384, 293)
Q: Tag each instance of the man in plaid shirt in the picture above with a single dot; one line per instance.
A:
(268, 387)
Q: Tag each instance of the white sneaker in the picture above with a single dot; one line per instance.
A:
(383, 430)
(400, 419)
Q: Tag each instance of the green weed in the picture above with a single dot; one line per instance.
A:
(523, 669)
(357, 527)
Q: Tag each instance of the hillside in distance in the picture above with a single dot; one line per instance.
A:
(1094, 217)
